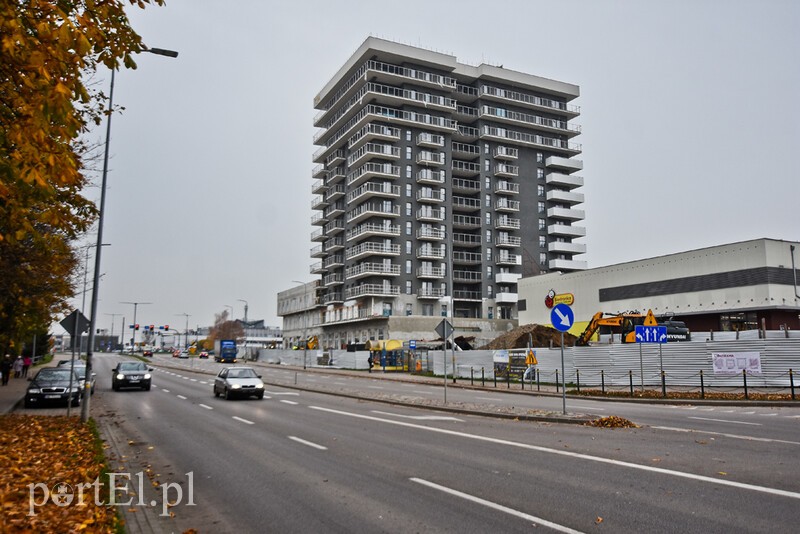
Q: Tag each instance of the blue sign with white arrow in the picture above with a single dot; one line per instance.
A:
(651, 334)
(562, 317)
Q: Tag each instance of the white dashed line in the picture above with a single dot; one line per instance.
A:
(164, 390)
(310, 444)
(243, 420)
(289, 402)
(207, 407)
(181, 397)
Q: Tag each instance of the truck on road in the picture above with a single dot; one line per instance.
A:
(225, 350)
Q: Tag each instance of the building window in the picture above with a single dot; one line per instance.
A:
(542, 241)
(488, 183)
(491, 312)
(488, 254)
(427, 309)
(408, 135)
(539, 157)
(408, 152)
(408, 247)
(485, 148)
(408, 227)
(540, 174)
(488, 219)
(541, 207)
(489, 272)
(488, 201)
(487, 165)
(409, 307)
(543, 259)
(408, 266)
(488, 236)
(540, 189)
(408, 289)
(408, 171)
(444, 310)
(542, 224)
(408, 190)
(408, 209)
(489, 291)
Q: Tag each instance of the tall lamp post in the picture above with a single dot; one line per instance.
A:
(100, 214)
(133, 338)
(186, 341)
(305, 320)
(245, 308)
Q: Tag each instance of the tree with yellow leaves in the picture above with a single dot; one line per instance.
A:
(47, 51)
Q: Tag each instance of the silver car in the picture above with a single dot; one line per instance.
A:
(238, 382)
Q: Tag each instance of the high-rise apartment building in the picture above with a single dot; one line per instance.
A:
(438, 185)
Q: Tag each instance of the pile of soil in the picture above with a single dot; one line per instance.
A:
(538, 335)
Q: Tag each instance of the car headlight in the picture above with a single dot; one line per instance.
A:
(34, 390)
(260, 385)
(235, 386)
(120, 376)
(147, 376)
(75, 389)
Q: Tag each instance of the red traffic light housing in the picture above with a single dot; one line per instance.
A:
(136, 327)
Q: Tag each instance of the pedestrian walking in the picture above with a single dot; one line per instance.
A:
(26, 364)
(18, 367)
(369, 361)
(5, 368)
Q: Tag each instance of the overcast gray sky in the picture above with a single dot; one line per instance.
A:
(689, 110)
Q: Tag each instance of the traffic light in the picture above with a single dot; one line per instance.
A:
(152, 327)
(166, 327)
(136, 327)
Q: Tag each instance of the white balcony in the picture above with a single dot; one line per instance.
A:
(426, 157)
(374, 290)
(566, 230)
(435, 196)
(430, 293)
(507, 278)
(506, 298)
(430, 140)
(430, 234)
(564, 197)
(508, 259)
(563, 180)
(430, 272)
(506, 152)
(567, 265)
(566, 247)
(568, 214)
(564, 164)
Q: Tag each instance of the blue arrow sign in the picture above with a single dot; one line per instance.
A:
(651, 334)
(562, 317)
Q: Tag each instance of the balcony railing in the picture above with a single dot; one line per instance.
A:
(372, 269)
(370, 189)
(377, 290)
(368, 229)
(430, 272)
(369, 248)
(430, 233)
(430, 293)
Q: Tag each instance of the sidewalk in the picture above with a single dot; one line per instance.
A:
(12, 395)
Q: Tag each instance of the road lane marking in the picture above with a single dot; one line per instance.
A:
(495, 506)
(193, 379)
(489, 398)
(570, 454)
(725, 421)
(767, 414)
(421, 417)
(587, 407)
(735, 436)
(414, 391)
(310, 444)
(206, 406)
(162, 389)
(282, 393)
(243, 420)
(375, 387)
(293, 403)
(181, 397)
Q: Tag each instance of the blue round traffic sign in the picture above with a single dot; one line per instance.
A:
(562, 317)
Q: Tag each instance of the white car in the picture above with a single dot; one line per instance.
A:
(238, 382)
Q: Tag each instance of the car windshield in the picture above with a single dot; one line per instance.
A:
(131, 366)
(53, 374)
(242, 373)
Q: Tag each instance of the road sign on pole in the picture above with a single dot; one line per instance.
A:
(444, 329)
(562, 317)
(651, 334)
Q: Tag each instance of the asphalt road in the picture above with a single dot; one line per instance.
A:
(300, 461)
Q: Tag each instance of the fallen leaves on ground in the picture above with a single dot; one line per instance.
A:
(612, 421)
(709, 395)
(38, 455)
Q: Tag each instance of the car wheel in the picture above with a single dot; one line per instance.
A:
(260, 396)
(115, 387)
(216, 393)
(76, 401)
(227, 394)
(146, 388)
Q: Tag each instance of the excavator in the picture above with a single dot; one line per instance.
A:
(627, 320)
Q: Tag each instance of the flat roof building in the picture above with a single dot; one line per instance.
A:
(438, 186)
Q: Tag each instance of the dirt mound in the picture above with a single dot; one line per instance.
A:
(536, 334)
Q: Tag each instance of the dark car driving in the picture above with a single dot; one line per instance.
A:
(131, 375)
(53, 385)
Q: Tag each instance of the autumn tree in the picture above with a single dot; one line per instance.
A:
(49, 49)
(224, 328)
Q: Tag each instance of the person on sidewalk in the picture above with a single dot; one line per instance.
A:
(5, 368)
(26, 364)
(369, 362)
(18, 367)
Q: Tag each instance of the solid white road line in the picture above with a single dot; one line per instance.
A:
(293, 403)
(310, 444)
(422, 392)
(735, 436)
(206, 406)
(725, 421)
(587, 407)
(243, 420)
(282, 393)
(489, 398)
(588, 457)
(495, 506)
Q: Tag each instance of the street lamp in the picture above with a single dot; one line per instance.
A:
(305, 320)
(100, 214)
(245, 308)
(135, 306)
(186, 341)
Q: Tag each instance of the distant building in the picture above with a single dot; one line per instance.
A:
(439, 185)
(738, 286)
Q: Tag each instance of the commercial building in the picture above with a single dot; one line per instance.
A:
(750, 285)
(438, 186)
